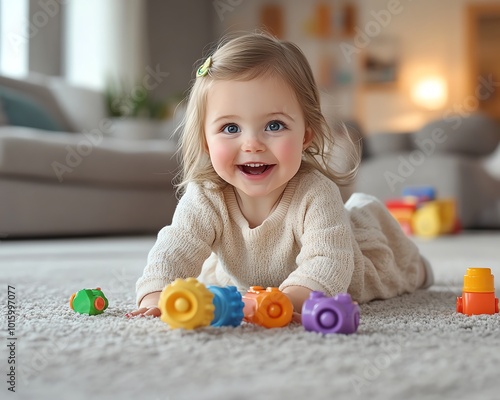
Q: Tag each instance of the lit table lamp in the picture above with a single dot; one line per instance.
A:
(430, 93)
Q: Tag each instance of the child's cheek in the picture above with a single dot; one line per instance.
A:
(219, 154)
(220, 157)
(290, 151)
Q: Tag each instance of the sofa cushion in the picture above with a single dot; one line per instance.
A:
(34, 208)
(85, 108)
(386, 144)
(26, 153)
(21, 110)
(37, 90)
(474, 135)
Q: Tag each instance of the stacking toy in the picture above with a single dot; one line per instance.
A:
(478, 294)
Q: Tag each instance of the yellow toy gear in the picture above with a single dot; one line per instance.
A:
(186, 303)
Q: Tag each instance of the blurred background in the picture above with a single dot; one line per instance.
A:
(119, 68)
(391, 65)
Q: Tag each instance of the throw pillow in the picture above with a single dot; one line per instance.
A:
(21, 110)
(475, 135)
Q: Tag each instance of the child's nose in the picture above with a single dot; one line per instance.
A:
(252, 144)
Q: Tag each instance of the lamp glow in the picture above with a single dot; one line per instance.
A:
(430, 93)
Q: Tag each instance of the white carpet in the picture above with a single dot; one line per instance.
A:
(412, 347)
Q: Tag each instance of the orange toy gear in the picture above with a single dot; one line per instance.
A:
(269, 307)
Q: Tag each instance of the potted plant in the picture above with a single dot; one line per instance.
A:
(135, 114)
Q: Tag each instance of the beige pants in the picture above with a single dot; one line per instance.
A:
(387, 262)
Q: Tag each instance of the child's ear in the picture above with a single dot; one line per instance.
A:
(308, 137)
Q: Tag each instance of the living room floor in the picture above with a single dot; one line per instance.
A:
(476, 248)
(423, 348)
(480, 248)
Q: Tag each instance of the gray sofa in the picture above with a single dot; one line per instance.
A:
(458, 156)
(80, 179)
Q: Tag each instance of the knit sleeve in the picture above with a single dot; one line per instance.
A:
(326, 258)
(182, 247)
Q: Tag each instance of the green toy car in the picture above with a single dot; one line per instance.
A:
(89, 301)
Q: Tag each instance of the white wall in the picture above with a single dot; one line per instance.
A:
(432, 41)
(14, 37)
(105, 40)
(433, 38)
(244, 15)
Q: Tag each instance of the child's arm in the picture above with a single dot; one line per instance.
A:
(181, 248)
(326, 259)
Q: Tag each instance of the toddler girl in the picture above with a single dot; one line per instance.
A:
(261, 203)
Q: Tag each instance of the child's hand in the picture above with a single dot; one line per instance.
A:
(297, 295)
(148, 306)
(296, 317)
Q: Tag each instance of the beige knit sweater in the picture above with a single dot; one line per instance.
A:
(311, 239)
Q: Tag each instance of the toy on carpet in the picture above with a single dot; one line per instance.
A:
(228, 306)
(269, 307)
(337, 314)
(478, 293)
(420, 213)
(189, 304)
(88, 301)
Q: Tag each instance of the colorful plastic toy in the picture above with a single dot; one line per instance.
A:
(228, 306)
(478, 294)
(188, 304)
(420, 193)
(88, 301)
(420, 213)
(337, 314)
(435, 218)
(269, 307)
(403, 212)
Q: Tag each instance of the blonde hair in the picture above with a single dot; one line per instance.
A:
(244, 58)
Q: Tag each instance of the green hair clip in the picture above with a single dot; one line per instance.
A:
(203, 70)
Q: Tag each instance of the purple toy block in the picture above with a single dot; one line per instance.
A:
(337, 314)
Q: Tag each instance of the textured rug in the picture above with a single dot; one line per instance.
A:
(411, 347)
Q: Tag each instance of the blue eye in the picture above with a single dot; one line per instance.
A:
(231, 128)
(275, 126)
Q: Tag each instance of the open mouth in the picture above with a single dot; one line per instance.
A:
(254, 169)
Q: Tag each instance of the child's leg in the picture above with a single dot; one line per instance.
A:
(428, 274)
(391, 263)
